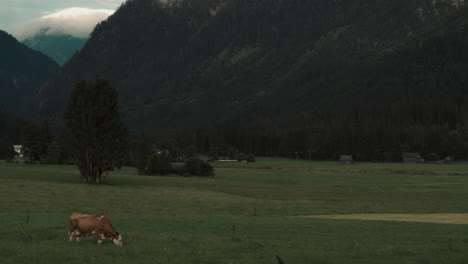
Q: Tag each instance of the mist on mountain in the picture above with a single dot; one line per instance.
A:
(60, 47)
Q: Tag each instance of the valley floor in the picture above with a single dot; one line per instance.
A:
(304, 212)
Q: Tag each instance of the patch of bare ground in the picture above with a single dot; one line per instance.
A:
(413, 172)
(386, 171)
(446, 218)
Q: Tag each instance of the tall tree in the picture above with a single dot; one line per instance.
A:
(140, 150)
(35, 143)
(6, 149)
(95, 134)
(53, 153)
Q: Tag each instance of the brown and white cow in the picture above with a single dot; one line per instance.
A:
(90, 224)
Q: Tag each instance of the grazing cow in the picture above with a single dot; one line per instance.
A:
(88, 224)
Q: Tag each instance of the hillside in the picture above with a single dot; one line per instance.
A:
(22, 72)
(187, 64)
(11, 127)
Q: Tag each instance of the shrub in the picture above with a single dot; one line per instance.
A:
(213, 157)
(251, 158)
(53, 154)
(241, 157)
(180, 170)
(232, 153)
(198, 167)
(159, 164)
(190, 152)
(139, 152)
(432, 156)
(6, 150)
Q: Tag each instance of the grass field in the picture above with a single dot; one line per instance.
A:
(190, 220)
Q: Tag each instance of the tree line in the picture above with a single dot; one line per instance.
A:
(95, 139)
(375, 141)
(366, 141)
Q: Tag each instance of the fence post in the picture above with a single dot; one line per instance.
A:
(233, 231)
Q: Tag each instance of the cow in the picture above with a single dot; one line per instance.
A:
(90, 224)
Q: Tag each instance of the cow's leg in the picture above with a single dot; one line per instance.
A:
(77, 235)
(70, 236)
(73, 230)
(99, 237)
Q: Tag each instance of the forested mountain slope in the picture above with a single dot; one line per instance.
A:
(22, 72)
(11, 128)
(192, 63)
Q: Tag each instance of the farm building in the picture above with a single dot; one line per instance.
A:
(412, 157)
(18, 150)
(346, 159)
(447, 160)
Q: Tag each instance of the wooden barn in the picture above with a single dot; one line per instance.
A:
(346, 159)
(412, 157)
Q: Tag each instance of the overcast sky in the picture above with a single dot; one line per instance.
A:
(18, 13)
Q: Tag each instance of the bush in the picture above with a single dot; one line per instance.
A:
(232, 153)
(251, 158)
(432, 156)
(241, 157)
(190, 152)
(139, 152)
(180, 170)
(53, 154)
(213, 157)
(6, 150)
(159, 164)
(198, 167)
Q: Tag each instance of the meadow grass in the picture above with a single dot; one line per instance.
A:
(189, 220)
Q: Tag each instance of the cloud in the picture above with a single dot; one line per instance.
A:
(14, 12)
(75, 21)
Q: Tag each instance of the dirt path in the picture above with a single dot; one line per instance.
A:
(459, 219)
(386, 171)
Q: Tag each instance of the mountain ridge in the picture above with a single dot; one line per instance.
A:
(22, 71)
(187, 64)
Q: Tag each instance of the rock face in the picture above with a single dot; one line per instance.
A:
(22, 72)
(182, 64)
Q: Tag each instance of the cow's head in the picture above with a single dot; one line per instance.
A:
(118, 239)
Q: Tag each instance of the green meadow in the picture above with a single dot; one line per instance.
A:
(190, 220)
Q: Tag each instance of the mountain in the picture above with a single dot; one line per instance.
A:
(193, 63)
(22, 72)
(59, 47)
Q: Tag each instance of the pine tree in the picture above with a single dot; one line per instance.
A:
(35, 144)
(94, 132)
(140, 150)
(159, 164)
(6, 149)
(53, 153)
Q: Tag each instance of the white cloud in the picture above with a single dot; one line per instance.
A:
(14, 13)
(75, 21)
